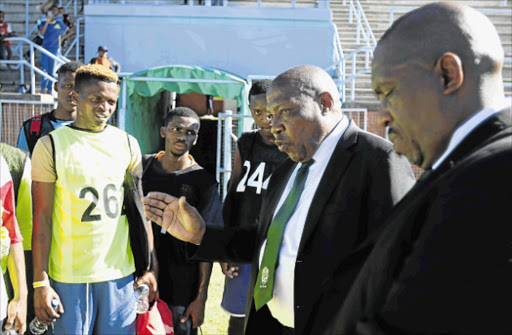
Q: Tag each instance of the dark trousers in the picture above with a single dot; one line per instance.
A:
(236, 325)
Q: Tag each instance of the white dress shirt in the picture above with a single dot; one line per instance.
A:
(282, 303)
(464, 130)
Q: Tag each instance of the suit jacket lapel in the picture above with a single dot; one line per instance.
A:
(333, 172)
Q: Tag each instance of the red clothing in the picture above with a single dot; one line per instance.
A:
(4, 30)
(7, 202)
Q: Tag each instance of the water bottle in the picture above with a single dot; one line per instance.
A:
(9, 331)
(141, 299)
(37, 327)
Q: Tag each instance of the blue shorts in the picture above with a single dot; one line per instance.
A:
(96, 308)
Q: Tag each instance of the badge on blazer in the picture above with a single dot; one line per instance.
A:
(264, 277)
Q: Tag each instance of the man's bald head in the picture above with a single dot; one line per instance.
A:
(425, 34)
(308, 81)
(304, 106)
(432, 70)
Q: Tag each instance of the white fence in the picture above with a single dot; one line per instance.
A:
(14, 112)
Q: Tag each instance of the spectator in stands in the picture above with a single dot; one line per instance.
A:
(38, 39)
(78, 174)
(65, 113)
(5, 31)
(443, 263)
(19, 166)
(256, 157)
(13, 313)
(53, 30)
(183, 284)
(67, 20)
(104, 60)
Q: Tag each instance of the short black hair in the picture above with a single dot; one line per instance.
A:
(180, 111)
(69, 67)
(260, 87)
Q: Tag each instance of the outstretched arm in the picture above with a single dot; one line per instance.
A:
(175, 215)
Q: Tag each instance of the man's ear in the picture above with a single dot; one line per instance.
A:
(162, 131)
(56, 86)
(326, 102)
(449, 66)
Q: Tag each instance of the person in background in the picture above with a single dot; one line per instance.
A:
(256, 158)
(183, 284)
(54, 31)
(5, 31)
(443, 263)
(67, 20)
(104, 60)
(78, 174)
(65, 113)
(335, 188)
(20, 166)
(12, 313)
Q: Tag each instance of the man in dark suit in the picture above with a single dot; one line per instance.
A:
(443, 263)
(354, 180)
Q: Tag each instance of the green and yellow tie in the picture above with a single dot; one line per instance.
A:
(265, 281)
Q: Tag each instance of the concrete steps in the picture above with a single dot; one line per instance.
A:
(378, 13)
(15, 11)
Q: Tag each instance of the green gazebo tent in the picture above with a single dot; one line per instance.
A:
(140, 95)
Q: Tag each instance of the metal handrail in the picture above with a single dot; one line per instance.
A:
(363, 28)
(338, 66)
(358, 11)
(34, 27)
(21, 62)
(353, 57)
(76, 40)
(208, 3)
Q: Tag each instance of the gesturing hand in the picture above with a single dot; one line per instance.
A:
(175, 215)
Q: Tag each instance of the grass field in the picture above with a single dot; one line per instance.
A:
(216, 319)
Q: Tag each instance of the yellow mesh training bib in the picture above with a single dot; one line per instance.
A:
(90, 240)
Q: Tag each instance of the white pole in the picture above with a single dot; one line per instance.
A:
(122, 110)
(228, 129)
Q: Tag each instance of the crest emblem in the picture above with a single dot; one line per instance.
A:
(264, 277)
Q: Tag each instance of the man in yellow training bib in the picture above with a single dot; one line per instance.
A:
(81, 246)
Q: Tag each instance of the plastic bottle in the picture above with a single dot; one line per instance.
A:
(37, 327)
(141, 299)
(9, 331)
